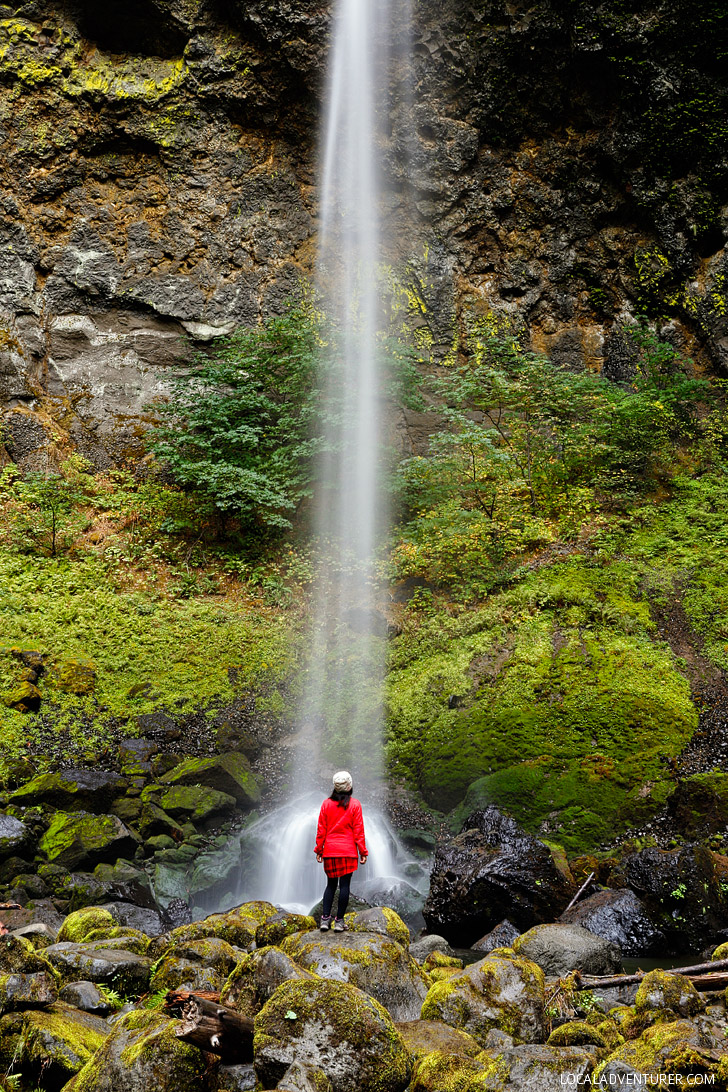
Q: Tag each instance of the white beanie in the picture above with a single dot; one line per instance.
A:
(342, 781)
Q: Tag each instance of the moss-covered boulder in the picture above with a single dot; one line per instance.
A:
(119, 939)
(92, 919)
(190, 803)
(56, 1042)
(24, 696)
(226, 773)
(440, 961)
(281, 925)
(660, 990)
(71, 790)
(143, 1053)
(74, 675)
(577, 1033)
(27, 991)
(123, 971)
(375, 963)
(333, 1027)
(18, 956)
(559, 949)
(195, 965)
(507, 994)
(422, 1037)
(256, 978)
(379, 919)
(238, 927)
(699, 804)
(446, 1071)
(81, 839)
(675, 1046)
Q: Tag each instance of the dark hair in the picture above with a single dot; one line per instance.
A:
(341, 798)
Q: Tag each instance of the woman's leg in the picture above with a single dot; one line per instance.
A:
(329, 896)
(344, 888)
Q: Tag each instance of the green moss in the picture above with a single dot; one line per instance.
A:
(59, 1040)
(444, 1072)
(93, 919)
(576, 1033)
(659, 990)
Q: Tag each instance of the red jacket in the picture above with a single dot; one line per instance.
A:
(340, 830)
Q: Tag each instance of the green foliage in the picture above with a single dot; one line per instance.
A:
(243, 426)
(42, 512)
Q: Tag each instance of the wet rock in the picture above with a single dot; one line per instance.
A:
(507, 994)
(659, 990)
(422, 1037)
(256, 978)
(333, 1027)
(196, 965)
(301, 1077)
(145, 919)
(374, 963)
(490, 871)
(421, 948)
(236, 1078)
(71, 790)
(57, 1041)
(618, 916)
(559, 949)
(142, 1053)
(190, 803)
(278, 926)
(78, 838)
(379, 919)
(684, 890)
(85, 996)
(227, 773)
(501, 937)
(27, 991)
(14, 835)
(121, 970)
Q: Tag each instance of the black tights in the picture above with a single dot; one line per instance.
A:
(344, 883)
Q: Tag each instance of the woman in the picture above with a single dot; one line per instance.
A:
(339, 836)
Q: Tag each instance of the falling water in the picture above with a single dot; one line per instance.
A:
(341, 721)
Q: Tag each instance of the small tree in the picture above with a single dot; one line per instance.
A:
(243, 426)
(44, 513)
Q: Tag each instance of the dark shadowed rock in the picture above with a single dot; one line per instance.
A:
(619, 916)
(85, 996)
(72, 790)
(501, 937)
(14, 835)
(492, 870)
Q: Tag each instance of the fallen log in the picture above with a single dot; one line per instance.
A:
(212, 1027)
(697, 972)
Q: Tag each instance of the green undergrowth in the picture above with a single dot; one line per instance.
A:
(146, 651)
(557, 699)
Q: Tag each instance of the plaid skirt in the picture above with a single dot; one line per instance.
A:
(339, 866)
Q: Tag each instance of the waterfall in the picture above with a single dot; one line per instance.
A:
(341, 719)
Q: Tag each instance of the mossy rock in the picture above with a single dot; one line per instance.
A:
(375, 963)
(699, 804)
(440, 960)
(24, 697)
(143, 1053)
(577, 1033)
(227, 773)
(666, 1047)
(122, 938)
(71, 790)
(100, 961)
(442, 1071)
(74, 675)
(507, 994)
(238, 927)
(442, 974)
(659, 990)
(78, 838)
(333, 1027)
(190, 803)
(425, 1036)
(57, 1041)
(27, 991)
(281, 925)
(204, 964)
(256, 978)
(92, 919)
(379, 919)
(721, 952)
(18, 956)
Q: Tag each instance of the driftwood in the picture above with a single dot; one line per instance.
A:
(580, 892)
(704, 976)
(207, 1024)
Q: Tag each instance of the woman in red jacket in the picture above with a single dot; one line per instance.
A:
(340, 835)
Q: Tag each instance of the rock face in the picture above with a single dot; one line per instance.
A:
(618, 916)
(157, 180)
(490, 871)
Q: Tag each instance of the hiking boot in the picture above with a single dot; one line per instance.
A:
(339, 926)
(325, 924)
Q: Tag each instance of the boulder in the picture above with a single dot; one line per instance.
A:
(501, 937)
(143, 1053)
(55, 1042)
(379, 919)
(529, 1068)
(507, 994)
(675, 992)
(226, 773)
(684, 890)
(123, 971)
(421, 948)
(424, 1036)
(144, 918)
(375, 963)
(79, 838)
(190, 803)
(14, 836)
(444, 1069)
(665, 1048)
(71, 790)
(38, 933)
(238, 927)
(27, 991)
(278, 926)
(491, 870)
(195, 965)
(236, 1078)
(301, 1077)
(559, 949)
(93, 919)
(619, 916)
(18, 956)
(87, 997)
(256, 978)
(333, 1027)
